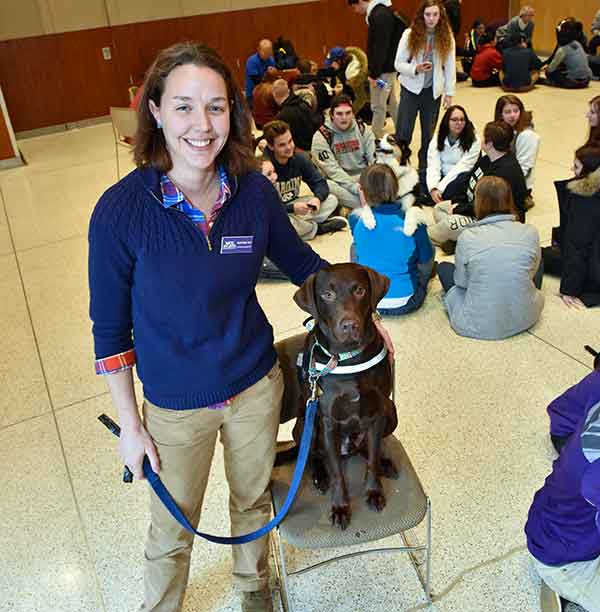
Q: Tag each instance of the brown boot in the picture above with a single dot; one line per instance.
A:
(257, 601)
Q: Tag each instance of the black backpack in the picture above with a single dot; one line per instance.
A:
(284, 54)
(401, 25)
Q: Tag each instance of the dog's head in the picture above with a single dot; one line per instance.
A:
(341, 298)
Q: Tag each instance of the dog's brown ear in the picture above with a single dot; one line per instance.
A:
(305, 296)
(379, 286)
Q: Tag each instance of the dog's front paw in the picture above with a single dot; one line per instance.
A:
(387, 469)
(376, 500)
(340, 516)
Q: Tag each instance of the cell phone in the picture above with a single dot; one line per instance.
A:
(427, 64)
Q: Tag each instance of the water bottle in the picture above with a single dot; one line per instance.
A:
(382, 84)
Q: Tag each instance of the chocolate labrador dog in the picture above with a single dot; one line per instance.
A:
(355, 412)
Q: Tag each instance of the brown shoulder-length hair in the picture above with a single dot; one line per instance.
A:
(418, 32)
(525, 118)
(493, 196)
(379, 184)
(594, 135)
(150, 147)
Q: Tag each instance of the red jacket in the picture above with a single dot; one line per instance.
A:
(487, 60)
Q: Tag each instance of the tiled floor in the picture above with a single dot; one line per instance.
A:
(472, 414)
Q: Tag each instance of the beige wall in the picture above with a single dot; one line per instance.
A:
(549, 12)
(23, 18)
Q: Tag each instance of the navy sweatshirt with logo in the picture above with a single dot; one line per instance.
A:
(188, 305)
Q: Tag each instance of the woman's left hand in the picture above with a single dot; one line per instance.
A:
(447, 101)
(572, 302)
(383, 332)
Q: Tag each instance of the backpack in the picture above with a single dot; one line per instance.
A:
(401, 25)
(284, 54)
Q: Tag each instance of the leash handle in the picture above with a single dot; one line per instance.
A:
(116, 430)
(163, 494)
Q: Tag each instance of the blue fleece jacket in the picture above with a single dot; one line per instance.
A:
(388, 250)
(186, 303)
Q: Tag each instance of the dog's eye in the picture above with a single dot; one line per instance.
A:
(328, 296)
(359, 292)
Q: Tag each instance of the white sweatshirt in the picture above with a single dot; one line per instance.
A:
(444, 69)
(444, 166)
(527, 145)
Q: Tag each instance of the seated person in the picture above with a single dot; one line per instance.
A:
(472, 44)
(309, 215)
(451, 218)
(521, 24)
(303, 120)
(569, 67)
(492, 292)
(593, 117)
(521, 66)
(452, 155)
(385, 241)
(526, 143)
(563, 526)
(350, 66)
(595, 39)
(257, 65)
(487, 63)
(576, 256)
(342, 148)
(264, 107)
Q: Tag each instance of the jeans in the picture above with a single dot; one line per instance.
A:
(445, 272)
(428, 109)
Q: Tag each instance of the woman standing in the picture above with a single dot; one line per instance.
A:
(526, 144)
(176, 248)
(452, 156)
(426, 64)
(493, 290)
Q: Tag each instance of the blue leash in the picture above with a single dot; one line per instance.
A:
(170, 504)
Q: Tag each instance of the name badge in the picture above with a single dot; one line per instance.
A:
(236, 244)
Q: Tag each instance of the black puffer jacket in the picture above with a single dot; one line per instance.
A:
(302, 119)
(579, 236)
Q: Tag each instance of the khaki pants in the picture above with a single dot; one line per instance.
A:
(185, 441)
(380, 98)
(577, 582)
(306, 225)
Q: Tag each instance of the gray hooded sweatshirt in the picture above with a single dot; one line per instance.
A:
(342, 155)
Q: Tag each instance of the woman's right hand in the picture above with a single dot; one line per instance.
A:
(134, 443)
(424, 67)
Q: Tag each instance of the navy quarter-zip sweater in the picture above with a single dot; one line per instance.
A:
(188, 306)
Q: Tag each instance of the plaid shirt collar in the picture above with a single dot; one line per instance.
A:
(172, 196)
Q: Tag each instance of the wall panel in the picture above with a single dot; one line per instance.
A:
(72, 15)
(62, 78)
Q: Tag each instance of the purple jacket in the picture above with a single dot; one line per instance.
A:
(563, 524)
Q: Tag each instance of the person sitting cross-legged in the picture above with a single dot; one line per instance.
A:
(309, 214)
(452, 217)
(563, 525)
(492, 291)
(342, 148)
(390, 237)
